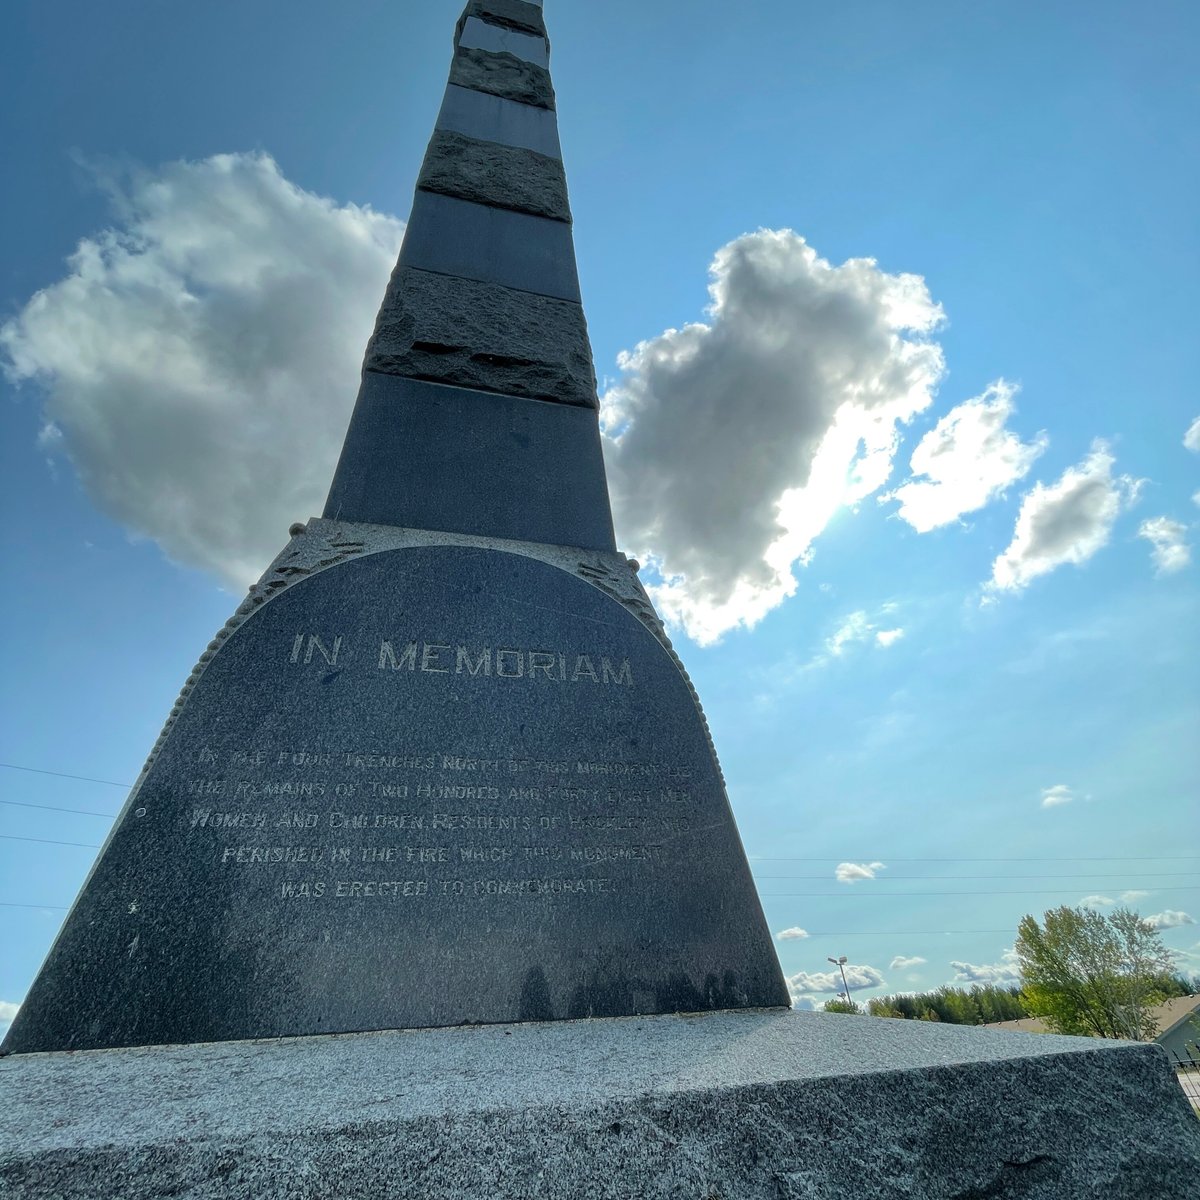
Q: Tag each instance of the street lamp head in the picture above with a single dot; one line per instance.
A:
(837, 962)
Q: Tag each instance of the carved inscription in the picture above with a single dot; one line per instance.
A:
(411, 656)
(413, 825)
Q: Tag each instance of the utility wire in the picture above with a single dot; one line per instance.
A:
(12, 837)
(1059, 858)
(61, 775)
(905, 895)
(82, 812)
(948, 878)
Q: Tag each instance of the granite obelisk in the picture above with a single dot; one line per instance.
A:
(442, 766)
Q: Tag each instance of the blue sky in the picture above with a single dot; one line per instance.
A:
(985, 682)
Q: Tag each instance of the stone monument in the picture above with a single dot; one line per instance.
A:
(442, 767)
(442, 770)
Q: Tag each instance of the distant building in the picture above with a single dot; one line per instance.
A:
(1177, 1023)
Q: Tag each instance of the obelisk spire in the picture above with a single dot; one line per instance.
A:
(479, 377)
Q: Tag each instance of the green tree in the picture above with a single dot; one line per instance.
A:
(1086, 972)
(844, 1006)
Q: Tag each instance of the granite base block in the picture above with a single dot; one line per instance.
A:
(721, 1107)
(493, 119)
(493, 245)
(523, 469)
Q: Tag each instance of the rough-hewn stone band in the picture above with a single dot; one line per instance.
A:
(502, 75)
(512, 14)
(490, 173)
(499, 39)
(483, 336)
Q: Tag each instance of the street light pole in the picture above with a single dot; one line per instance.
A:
(840, 963)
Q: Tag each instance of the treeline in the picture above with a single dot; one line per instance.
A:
(978, 1005)
(981, 1004)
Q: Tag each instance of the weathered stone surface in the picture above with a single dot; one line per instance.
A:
(500, 39)
(489, 173)
(435, 786)
(741, 1106)
(514, 14)
(502, 75)
(491, 119)
(494, 245)
(483, 336)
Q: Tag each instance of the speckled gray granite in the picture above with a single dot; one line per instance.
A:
(483, 335)
(747, 1106)
(512, 14)
(503, 75)
(492, 119)
(490, 173)
(524, 470)
(494, 245)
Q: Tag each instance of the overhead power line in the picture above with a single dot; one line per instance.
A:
(904, 895)
(868, 858)
(81, 812)
(12, 837)
(62, 775)
(950, 878)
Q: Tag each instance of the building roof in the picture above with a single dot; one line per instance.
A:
(1167, 1016)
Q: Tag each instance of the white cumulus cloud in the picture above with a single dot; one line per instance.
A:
(1097, 902)
(1052, 797)
(888, 637)
(1191, 439)
(732, 442)
(902, 962)
(1133, 895)
(851, 872)
(967, 460)
(793, 934)
(8, 1010)
(831, 981)
(1064, 522)
(1171, 918)
(1168, 549)
(199, 360)
(1004, 972)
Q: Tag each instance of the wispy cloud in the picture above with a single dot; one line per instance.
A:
(888, 637)
(831, 981)
(1191, 439)
(1169, 550)
(851, 872)
(793, 934)
(1006, 971)
(1169, 919)
(1067, 521)
(967, 460)
(1097, 902)
(1060, 793)
(902, 962)
(1133, 896)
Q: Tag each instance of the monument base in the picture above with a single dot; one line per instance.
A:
(724, 1106)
